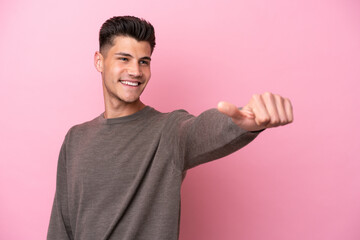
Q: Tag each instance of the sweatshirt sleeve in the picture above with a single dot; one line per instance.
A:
(59, 226)
(211, 135)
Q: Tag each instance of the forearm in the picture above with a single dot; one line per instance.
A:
(210, 136)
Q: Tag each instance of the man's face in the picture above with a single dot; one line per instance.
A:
(125, 69)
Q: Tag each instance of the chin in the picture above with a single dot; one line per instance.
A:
(130, 100)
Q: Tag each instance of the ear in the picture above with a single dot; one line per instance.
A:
(99, 61)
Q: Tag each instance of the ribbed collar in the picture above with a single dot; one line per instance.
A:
(143, 112)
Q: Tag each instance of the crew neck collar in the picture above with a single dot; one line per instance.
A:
(130, 117)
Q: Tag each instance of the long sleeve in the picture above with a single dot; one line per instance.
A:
(209, 136)
(59, 226)
(121, 178)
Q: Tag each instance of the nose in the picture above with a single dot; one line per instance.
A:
(134, 70)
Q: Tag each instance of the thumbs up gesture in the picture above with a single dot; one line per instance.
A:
(263, 111)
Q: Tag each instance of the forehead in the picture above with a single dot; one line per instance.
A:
(130, 45)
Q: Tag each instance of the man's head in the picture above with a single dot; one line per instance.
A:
(127, 26)
(126, 46)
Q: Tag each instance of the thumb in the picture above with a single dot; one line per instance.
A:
(230, 110)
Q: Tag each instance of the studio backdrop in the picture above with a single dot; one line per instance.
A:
(301, 181)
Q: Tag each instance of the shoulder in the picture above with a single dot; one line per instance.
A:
(174, 115)
(82, 128)
(178, 115)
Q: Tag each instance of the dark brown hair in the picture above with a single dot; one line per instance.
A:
(130, 26)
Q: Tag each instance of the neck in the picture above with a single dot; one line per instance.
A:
(115, 109)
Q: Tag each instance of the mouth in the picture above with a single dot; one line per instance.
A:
(130, 83)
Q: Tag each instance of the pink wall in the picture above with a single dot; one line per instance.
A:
(297, 182)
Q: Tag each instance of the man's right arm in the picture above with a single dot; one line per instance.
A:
(59, 226)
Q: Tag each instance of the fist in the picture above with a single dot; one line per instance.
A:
(263, 111)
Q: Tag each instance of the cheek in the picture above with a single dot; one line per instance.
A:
(147, 73)
(114, 70)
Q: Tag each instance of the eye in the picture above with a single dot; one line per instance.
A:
(144, 62)
(123, 59)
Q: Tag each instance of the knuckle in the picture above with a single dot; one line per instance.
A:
(288, 102)
(284, 121)
(275, 121)
(264, 120)
(268, 94)
(255, 96)
(279, 98)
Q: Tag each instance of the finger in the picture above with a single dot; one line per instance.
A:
(271, 108)
(248, 112)
(281, 109)
(230, 110)
(258, 106)
(288, 110)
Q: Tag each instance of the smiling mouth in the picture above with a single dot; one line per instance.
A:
(130, 83)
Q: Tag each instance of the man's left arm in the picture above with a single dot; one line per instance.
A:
(217, 133)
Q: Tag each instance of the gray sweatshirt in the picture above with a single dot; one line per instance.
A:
(120, 178)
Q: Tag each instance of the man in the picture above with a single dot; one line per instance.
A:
(119, 175)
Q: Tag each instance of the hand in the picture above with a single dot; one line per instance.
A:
(263, 111)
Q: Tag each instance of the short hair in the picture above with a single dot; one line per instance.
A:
(129, 26)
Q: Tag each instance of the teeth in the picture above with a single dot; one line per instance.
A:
(130, 83)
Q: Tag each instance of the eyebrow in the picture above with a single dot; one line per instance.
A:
(129, 55)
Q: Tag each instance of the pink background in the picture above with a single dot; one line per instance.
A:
(296, 182)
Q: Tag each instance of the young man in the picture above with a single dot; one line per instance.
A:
(119, 175)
